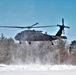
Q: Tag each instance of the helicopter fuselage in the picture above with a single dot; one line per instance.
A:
(32, 35)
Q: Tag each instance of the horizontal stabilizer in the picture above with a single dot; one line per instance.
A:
(59, 37)
(63, 37)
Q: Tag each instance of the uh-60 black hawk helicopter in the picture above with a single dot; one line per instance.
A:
(35, 35)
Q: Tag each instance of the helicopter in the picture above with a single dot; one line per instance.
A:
(36, 35)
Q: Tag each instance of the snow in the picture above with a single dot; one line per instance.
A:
(37, 69)
(34, 56)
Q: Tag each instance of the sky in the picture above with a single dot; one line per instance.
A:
(45, 12)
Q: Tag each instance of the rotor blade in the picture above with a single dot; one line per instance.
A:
(12, 27)
(58, 25)
(66, 27)
(63, 21)
(34, 24)
(44, 26)
(19, 26)
(15, 27)
(26, 26)
(63, 31)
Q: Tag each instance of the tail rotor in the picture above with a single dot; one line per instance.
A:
(63, 26)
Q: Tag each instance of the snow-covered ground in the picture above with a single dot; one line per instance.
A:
(37, 69)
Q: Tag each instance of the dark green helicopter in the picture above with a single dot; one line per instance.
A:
(35, 35)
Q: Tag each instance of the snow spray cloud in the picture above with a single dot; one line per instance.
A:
(39, 52)
(35, 53)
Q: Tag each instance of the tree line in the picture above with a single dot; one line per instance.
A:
(42, 52)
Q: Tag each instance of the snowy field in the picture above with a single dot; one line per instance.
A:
(37, 70)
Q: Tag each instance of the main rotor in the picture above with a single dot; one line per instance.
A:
(34, 26)
(28, 27)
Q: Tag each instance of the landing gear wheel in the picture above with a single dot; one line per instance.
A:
(20, 42)
(29, 42)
